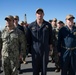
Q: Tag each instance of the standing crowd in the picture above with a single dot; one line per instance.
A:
(41, 38)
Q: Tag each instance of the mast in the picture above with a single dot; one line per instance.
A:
(25, 18)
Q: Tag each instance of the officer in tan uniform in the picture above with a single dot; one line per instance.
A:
(12, 38)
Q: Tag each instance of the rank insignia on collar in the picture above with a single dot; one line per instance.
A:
(74, 33)
(46, 26)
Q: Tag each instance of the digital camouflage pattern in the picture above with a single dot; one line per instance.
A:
(0, 42)
(13, 41)
(0, 48)
(55, 52)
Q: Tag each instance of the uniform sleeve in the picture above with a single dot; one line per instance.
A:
(29, 39)
(50, 35)
(59, 41)
(0, 42)
(23, 43)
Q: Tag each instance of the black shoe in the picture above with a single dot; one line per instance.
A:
(1, 71)
(20, 72)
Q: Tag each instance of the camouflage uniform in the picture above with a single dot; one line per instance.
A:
(0, 48)
(55, 52)
(0, 41)
(54, 43)
(56, 57)
(12, 41)
(54, 25)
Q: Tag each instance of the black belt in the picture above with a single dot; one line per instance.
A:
(69, 48)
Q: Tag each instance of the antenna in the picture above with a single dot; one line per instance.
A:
(25, 19)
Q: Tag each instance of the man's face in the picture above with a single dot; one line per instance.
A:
(9, 22)
(54, 23)
(39, 15)
(16, 20)
(70, 21)
(60, 25)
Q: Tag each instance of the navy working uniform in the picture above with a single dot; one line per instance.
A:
(39, 40)
(67, 48)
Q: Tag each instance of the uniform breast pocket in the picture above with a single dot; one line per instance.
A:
(34, 32)
(4, 37)
(45, 30)
(14, 37)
